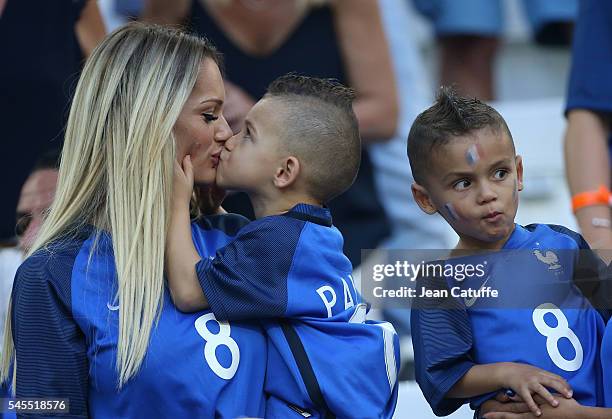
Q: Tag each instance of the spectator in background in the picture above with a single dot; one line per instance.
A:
(130, 9)
(42, 45)
(36, 196)
(588, 111)
(469, 31)
(263, 39)
(411, 228)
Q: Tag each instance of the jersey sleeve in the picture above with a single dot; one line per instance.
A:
(589, 82)
(591, 274)
(247, 279)
(442, 341)
(50, 347)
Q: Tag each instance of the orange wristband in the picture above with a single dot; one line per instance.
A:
(601, 196)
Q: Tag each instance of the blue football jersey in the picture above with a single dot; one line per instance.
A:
(66, 330)
(324, 357)
(541, 318)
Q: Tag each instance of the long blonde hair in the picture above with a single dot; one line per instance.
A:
(117, 165)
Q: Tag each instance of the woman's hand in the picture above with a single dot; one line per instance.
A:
(182, 183)
(237, 104)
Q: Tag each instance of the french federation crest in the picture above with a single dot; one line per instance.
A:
(549, 258)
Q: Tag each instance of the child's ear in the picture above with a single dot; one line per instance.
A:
(421, 196)
(287, 173)
(519, 172)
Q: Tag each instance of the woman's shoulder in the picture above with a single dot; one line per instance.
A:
(229, 224)
(52, 264)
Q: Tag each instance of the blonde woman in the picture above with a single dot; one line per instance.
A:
(92, 320)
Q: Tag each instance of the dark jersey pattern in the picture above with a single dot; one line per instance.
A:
(543, 318)
(66, 326)
(324, 357)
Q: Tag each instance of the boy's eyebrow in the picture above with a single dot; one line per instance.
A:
(504, 161)
(456, 174)
(501, 162)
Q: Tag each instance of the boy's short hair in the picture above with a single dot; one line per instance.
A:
(450, 116)
(321, 130)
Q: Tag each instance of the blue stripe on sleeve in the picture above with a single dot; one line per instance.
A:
(442, 340)
(248, 278)
(51, 349)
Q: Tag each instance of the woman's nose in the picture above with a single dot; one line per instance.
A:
(223, 131)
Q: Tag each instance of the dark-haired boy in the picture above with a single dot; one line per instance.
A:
(300, 147)
(466, 169)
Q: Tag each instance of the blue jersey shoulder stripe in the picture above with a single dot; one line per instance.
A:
(248, 278)
(51, 348)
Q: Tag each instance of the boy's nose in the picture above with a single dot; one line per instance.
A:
(487, 194)
(231, 142)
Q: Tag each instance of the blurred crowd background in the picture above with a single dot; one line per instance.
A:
(514, 53)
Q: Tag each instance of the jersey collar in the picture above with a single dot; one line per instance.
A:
(311, 213)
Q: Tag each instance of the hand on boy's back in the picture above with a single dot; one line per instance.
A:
(527, 381)
(503, 407)
(182, 182)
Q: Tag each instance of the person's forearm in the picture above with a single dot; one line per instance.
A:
(586, 412)
(480, 379)
(181, 258)
(164, 12)
(377, 118)
(587, 165)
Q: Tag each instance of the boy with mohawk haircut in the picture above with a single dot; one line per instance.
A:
(300, 147)
(466, 169)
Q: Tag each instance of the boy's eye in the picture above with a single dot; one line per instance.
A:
(462, 185)
(209, 117)
(500, 174)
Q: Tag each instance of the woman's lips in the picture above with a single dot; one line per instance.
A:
(215, 158)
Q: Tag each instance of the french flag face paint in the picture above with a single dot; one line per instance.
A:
(450, 210)
(473, 154)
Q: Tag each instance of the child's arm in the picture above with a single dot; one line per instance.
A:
(181, 254)
(524, 380)
(567, 409)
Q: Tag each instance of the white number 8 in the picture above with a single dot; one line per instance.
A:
(553, 334)
(214, 340)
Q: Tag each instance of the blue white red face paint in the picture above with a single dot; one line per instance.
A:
(451, 211)
(473, 154)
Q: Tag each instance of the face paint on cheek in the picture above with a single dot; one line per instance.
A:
(450, 210)
(473, 154)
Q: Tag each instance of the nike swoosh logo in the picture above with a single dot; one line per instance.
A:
(111, 307)
(469, 302)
